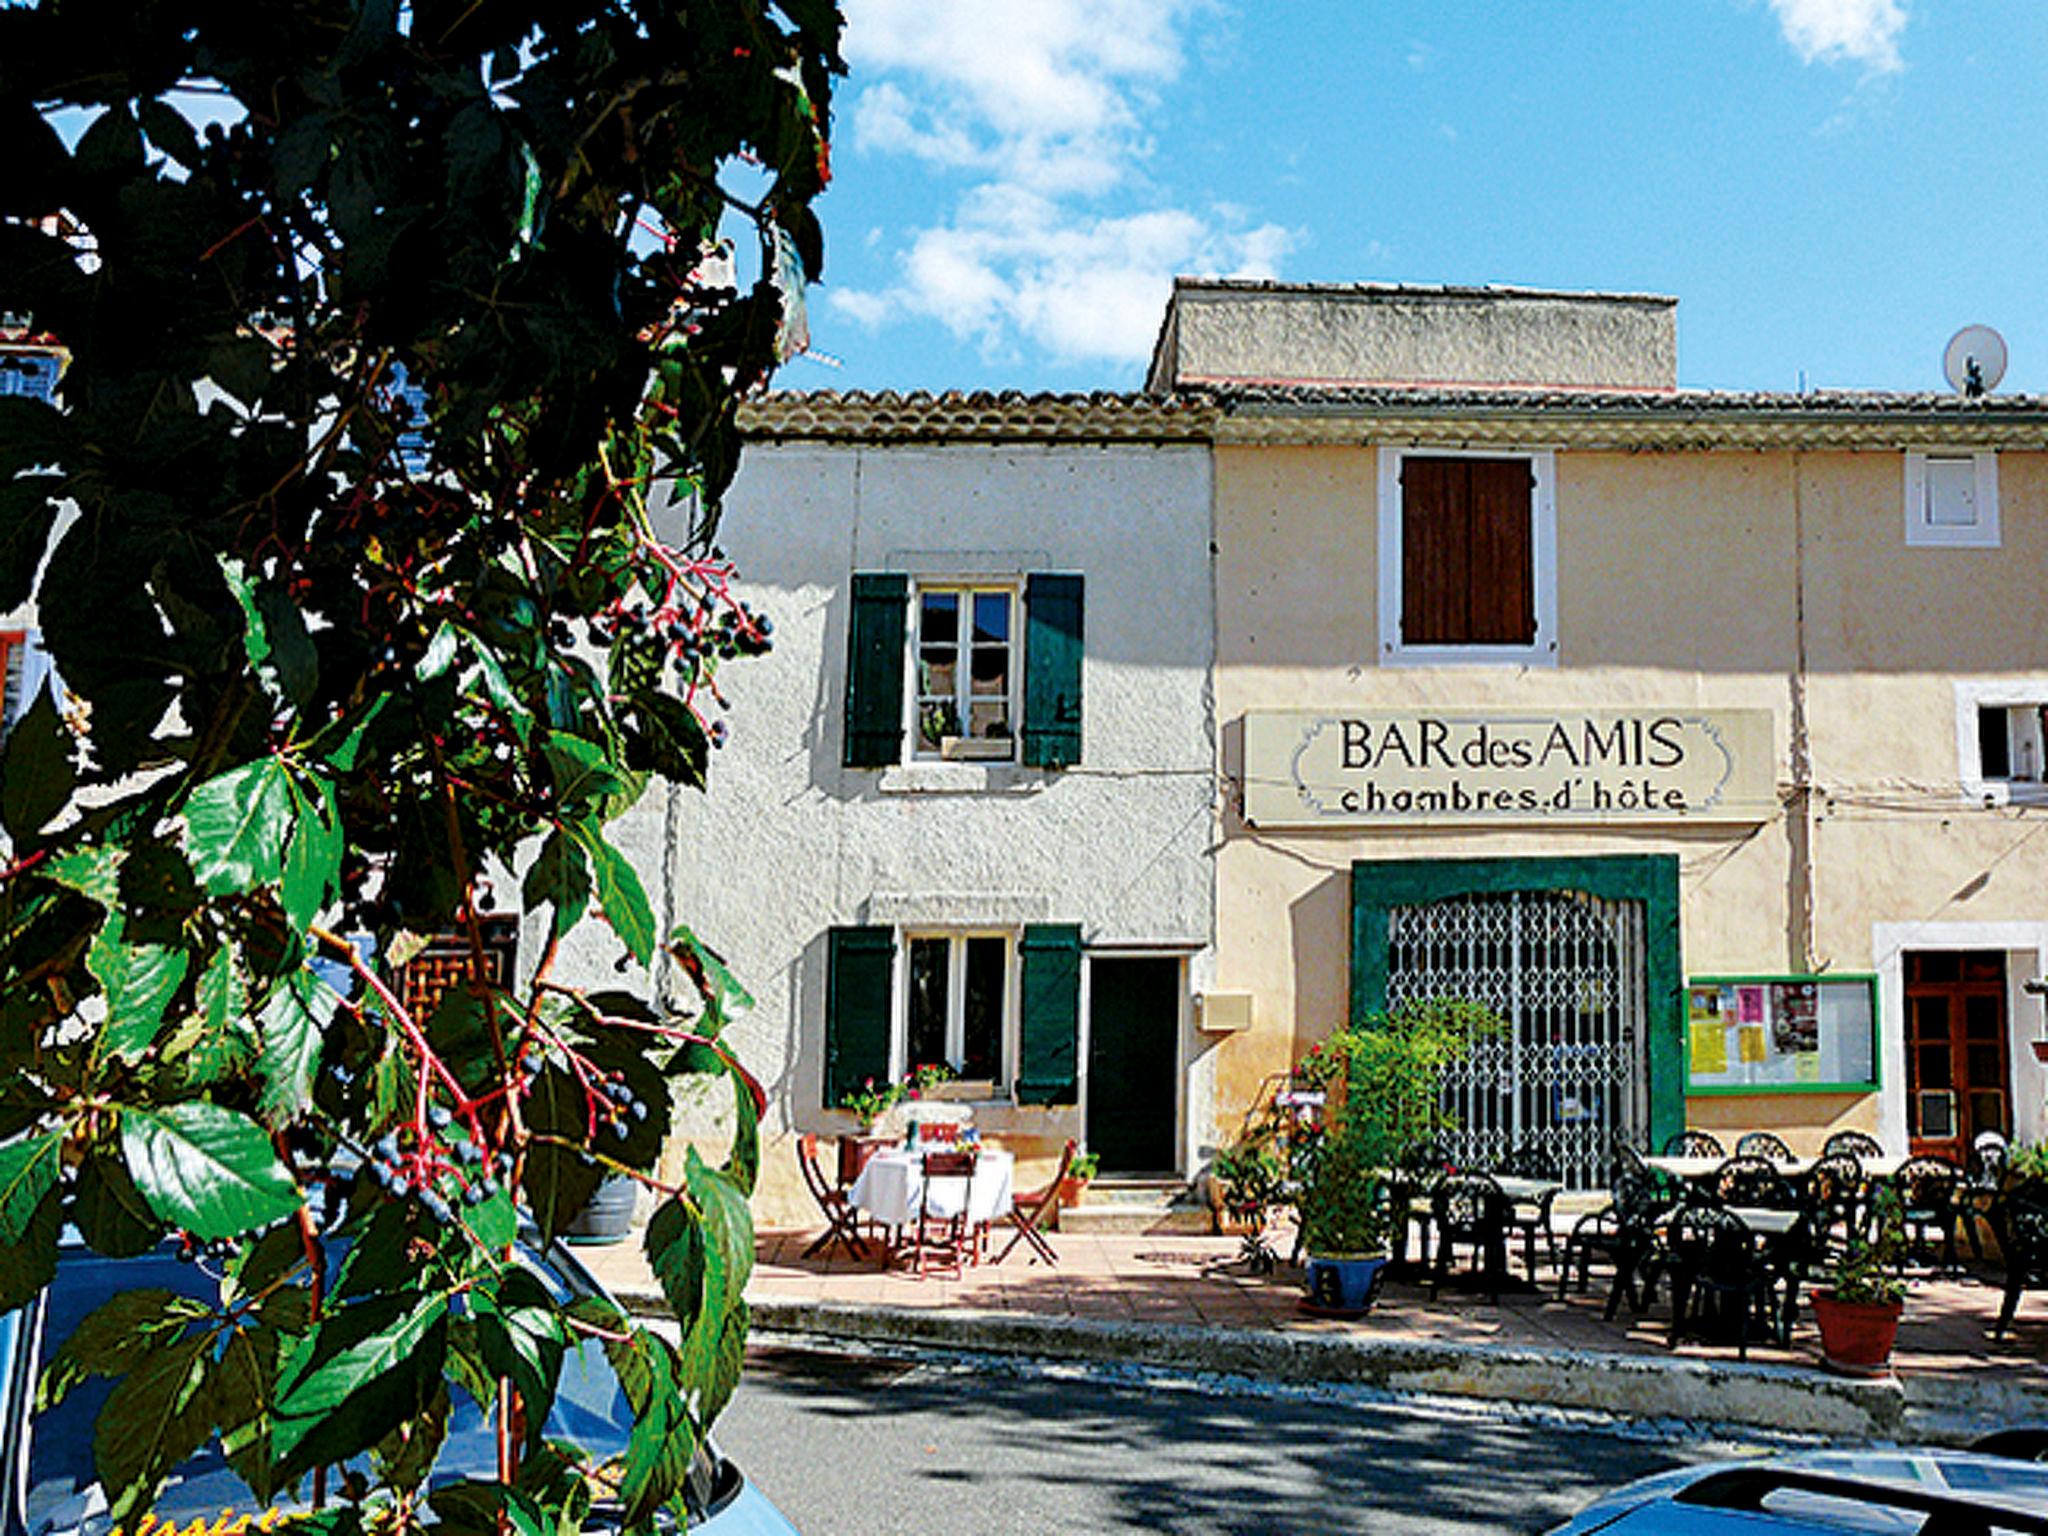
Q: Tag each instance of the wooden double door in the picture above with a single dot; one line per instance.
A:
(1958, 1075)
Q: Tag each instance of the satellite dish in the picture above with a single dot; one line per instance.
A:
(1975, 360)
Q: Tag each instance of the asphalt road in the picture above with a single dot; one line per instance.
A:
(860, 1446)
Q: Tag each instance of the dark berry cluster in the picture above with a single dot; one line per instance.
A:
(433, 1168)
(613, 1103)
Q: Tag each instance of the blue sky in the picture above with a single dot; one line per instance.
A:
(1830, 187)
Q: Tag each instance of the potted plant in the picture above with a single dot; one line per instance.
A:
(1381, 1080)
(1859, 1309)
(1246, 1179)
(867, 1104)
(1079, 1174)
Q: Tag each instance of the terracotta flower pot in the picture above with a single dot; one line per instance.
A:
(2040, 1049)
(1071, 1190)
(1856, 1337)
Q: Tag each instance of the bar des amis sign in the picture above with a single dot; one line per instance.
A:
(1416, 767)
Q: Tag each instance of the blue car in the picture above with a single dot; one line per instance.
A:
(1998, 1489)
(47, 1476)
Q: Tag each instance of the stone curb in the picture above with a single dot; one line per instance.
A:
(1733, 1393)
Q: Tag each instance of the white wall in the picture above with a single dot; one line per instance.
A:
(787, 843)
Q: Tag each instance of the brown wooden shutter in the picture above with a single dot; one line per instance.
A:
(1435, 562)
(1503, 573)
(1467, 552)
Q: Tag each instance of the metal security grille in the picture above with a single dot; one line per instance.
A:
(1566, 971)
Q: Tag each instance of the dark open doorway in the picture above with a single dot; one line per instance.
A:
(1134, 1063)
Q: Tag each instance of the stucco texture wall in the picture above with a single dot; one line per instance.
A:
(1678, 585)
(787, 843)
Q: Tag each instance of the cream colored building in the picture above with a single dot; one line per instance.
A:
(1698, 732)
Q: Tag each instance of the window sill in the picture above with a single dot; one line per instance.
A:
(2006, 791)
(962, 779)
(1544, 655)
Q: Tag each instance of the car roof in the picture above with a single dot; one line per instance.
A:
(1828, 1490)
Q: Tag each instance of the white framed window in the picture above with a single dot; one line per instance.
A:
(1467, 544)
(1952, 500)
(2002, 740)
(964, 704)
(959, 1008)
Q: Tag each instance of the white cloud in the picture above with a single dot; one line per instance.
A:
(1864, 32)
(1044, 105)
(1014, 263)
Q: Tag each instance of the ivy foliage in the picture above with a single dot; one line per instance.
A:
(384, 323)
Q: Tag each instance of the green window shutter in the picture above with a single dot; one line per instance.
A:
(1052, 671)
(874, 670)
(860, 972)
(1049, 1053)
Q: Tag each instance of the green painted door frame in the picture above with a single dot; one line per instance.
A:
(1379, 885)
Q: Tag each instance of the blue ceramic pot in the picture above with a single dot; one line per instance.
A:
(1343, 1287)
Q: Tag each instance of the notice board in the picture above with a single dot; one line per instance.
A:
(1781, 1034)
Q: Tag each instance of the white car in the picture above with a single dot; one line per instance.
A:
(1998, 1488)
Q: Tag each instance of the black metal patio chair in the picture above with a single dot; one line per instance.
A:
(1469, 1210)
(1765, 1144)
(2020, 1220)
(1754, 1181)
(1720, 1278)
(1858, 1144)
(1693, 1144)
(1927, 1189)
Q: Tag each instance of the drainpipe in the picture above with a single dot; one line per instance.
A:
(1799, 919)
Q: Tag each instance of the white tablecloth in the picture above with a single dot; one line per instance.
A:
(891, 1187)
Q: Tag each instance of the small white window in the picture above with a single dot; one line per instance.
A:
(965, 701)
(2002, 739)
(957, 1002)
(1952, 500)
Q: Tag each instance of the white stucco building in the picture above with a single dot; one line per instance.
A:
(966, 809)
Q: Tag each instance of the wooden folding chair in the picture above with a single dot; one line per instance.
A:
(1029, 1213)
(945, 1242)
(842, 1221)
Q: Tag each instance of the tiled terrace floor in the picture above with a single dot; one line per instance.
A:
(1196, 1282)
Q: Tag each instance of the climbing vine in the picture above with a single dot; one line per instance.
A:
(370, 534)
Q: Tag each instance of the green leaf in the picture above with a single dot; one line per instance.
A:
(171, 132)
(671, 739)
(236, 824)
(493, 1220)
(273, 630)
(111, 1338)
(619, 891)
(558, 1180)
(560, 875)
(26, 516)
(721, 990)
(312, 858)
(139, 981)
(341, 757)
(36, 771)
(109, 1210)
(149, 1424)
(241, 365)
(30, 1208)
(440, 653)
(207, 1169)
(94, 871)
(664, 1440)
(223, 1045)
(582, 771)
(357, 1375)
(498, 689)
(523, 1339)
(241, 1400)
(291, 1027)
